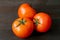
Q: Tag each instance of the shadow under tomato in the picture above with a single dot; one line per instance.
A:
(35, 33)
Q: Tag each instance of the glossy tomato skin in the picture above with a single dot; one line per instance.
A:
(44, 22)
(26, 11)
(22, 30)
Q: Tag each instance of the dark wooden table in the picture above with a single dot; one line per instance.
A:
(8, 13)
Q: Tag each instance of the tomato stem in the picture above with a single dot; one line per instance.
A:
(18, 25)
(36, 21)
(22, 21)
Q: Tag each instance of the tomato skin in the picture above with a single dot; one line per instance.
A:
(44, 22)
(26, 11)
(23, 30)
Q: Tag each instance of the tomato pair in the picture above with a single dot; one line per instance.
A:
(24, 26)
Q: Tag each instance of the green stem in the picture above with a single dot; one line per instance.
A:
(18, 25)
(21, 22)
(36, 21)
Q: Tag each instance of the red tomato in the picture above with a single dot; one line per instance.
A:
(42, 22)
(22, 27)
(26, 11)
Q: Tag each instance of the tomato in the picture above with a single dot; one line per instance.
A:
(42, 22)
(25, 10)
(22, 27)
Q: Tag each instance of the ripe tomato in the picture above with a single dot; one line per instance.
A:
(22, 27)
(25, 10)
(42, 22)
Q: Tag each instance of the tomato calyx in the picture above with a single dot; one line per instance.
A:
(36, 21)
(22, 21)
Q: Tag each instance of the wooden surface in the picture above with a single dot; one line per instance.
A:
(8, 13)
